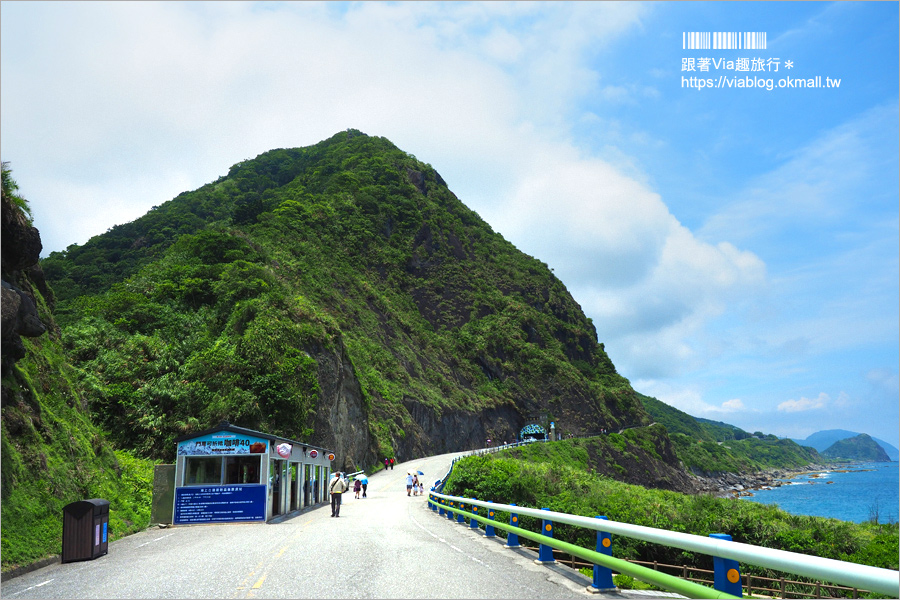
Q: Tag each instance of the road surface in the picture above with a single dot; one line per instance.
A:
(388, 545)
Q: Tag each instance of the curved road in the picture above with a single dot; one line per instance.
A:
(386, 546)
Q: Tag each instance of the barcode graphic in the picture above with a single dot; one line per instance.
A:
(723, 40)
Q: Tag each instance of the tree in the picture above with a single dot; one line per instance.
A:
(11, 191)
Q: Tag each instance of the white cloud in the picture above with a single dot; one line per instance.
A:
(804, 404)
(689, 399)
(734, 405)
(645, 279)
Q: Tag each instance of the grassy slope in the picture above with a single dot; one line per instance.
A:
(712, 447)
(554, 477)
(52, 454)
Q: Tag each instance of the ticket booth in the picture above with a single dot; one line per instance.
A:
(232, 474)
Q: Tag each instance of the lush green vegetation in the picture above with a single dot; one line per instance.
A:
(555, 479)
(53, 454)
(858, 448)
(707, 447)
(227, 302)
(216, 304)
(677, 421)
(11, 190)
(741, 456)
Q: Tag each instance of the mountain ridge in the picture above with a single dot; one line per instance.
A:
(349, 253)
(822, 440)
(858, 448)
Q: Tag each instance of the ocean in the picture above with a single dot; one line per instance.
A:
(850, 493)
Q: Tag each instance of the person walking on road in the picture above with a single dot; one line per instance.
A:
(387, 464)
(357, 488)
(392, 464)
(336, 486)
(409, 483)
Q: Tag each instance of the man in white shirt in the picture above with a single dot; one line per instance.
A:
(337, 486)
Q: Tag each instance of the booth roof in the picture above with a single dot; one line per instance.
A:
(226, 426)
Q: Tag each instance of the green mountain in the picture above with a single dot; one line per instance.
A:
(821, 440)
(677, 421)
(338, 294)
(858, 448)
(706, 447)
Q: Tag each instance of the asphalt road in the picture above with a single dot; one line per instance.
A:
(385, 546)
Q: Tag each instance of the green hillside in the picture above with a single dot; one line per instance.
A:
(558, 477)
(52, 452)
(858, 448)
(707, 447)
(338, 294)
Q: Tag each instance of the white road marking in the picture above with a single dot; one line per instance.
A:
(156, 540)
(32, 587)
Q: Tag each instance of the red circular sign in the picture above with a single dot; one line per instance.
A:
(331, 457)
(313, 453)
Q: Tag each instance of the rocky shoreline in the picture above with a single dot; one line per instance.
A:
(735, 485)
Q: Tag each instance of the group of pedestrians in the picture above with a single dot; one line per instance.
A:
(338, 485)
(360, 485)
(414, 487)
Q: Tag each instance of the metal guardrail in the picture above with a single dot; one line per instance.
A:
(883, 581)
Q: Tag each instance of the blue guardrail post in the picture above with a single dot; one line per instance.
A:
(473, 524)
(489, 529)
(603, 581)
(450, 514)
(512, 539)
(727, 572)
(440, 507)
(545, 552)
(460, 518)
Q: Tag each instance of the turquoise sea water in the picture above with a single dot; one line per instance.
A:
(852, 495)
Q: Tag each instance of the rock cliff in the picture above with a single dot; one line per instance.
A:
(21, 245)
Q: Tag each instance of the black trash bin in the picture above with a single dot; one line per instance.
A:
(85, 530)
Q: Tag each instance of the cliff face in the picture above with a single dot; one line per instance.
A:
(20, 275)
(340, 420)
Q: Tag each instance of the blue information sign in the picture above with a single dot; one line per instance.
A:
(220, 503)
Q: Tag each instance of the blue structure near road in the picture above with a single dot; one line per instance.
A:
(533, 432)
(232, 474)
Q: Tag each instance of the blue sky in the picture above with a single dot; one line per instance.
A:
(736, 247)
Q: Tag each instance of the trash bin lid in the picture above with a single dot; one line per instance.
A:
(80, 507)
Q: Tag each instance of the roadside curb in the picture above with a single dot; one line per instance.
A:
(44, 562)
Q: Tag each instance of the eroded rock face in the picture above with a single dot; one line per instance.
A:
(21, 249)
(21, 243)
(341, 421)
(436, 431)
(19, 317)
